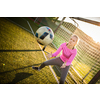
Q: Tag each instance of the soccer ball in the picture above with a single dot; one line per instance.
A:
(44, 35)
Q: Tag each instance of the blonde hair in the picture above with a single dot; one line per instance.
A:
(77, 41)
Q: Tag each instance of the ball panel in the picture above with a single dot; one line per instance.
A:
(48, 29)
(46, 40)
(36, 35)
(40, 42)
(51, 36)
(43, 35)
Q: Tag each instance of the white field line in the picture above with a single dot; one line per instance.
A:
(44, 55)
(49, 65)
(30, 28)
(18, 25)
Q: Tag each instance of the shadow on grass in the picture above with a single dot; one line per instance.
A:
(19, 68)
(22, 50)
(18, 50)
(19, 77)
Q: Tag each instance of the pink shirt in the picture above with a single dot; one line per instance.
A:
(67, 54)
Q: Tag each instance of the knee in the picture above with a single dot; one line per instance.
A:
(44, 64)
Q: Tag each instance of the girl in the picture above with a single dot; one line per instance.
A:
(64, 61)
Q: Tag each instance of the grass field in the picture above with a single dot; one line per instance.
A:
(15, 67)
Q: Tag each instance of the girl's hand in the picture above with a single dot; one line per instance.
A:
(49, 55)
(63, 65)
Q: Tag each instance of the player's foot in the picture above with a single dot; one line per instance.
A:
(36, 68)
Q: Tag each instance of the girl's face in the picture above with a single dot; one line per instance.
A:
(72, 41)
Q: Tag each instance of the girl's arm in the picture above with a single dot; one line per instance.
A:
(67, 63)
(71, 58)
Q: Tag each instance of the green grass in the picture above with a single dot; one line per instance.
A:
(15, 67)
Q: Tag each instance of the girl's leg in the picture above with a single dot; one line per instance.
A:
(64, 72)
(54, 61)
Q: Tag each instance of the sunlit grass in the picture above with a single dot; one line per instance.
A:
(15, 67)
(83, 69)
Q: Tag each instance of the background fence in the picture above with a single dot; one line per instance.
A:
(87, 62)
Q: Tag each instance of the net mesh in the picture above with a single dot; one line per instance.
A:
(87, 62)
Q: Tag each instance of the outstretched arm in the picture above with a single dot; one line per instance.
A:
(71, 59)
(56, 53)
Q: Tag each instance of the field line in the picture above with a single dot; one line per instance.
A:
(44, 55)
(30, 28)
(18, 25)
(49, 65)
